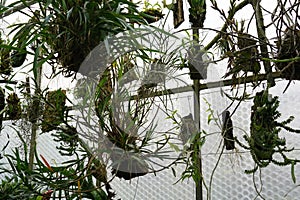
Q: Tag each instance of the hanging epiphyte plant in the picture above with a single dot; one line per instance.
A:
(247, 56)
(5, 67)
(288, 51)
(197, 13)
(126, 68)
(264, 140)
(68, 138)
(18, 56)
(14, 109)
(67, 31)
(152, 13)
(178, 13)
(155, 75)
(242, 51)
(53, 114)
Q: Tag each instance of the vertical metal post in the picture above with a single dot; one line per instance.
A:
(198, 162)
(35, 116)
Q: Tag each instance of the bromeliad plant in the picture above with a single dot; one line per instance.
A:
(264, 140)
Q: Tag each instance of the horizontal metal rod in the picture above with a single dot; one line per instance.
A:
(190, 88)
(209, 85)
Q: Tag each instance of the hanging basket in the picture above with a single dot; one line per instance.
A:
(155, 75)
(53, 114)
(289, 48)
(126, 162)
(127, 166)
(18, 57)
(152, 15)
(197, 64)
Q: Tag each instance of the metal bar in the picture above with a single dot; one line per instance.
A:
(198, 162)
(205, 86)
(35, 124)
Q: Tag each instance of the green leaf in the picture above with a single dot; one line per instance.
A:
(9, 88)
(173, 171)
(174, 146)
(293, 171)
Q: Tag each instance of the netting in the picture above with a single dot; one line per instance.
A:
(229, 179)
(224, 175)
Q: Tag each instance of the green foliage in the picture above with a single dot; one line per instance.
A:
(72, 29)
(14, 109)
(197, 12)
(264, 140)
(11, 188)
(5, 67)
(18, 56)
(73, 179)
(53, 113)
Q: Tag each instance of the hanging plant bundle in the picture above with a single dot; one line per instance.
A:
(289, 50)
(120, 127)
(264, 140)
(243, 55)
(126, 70)
(4, 59)
(68, 30)
(53, 114)
(14, 109)
(188, 128)
(68, 139)
(247, 56)
(178, 13)
(80, 26)
(155, 75)
(197, 13)
(152, 15)
(18, 56)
